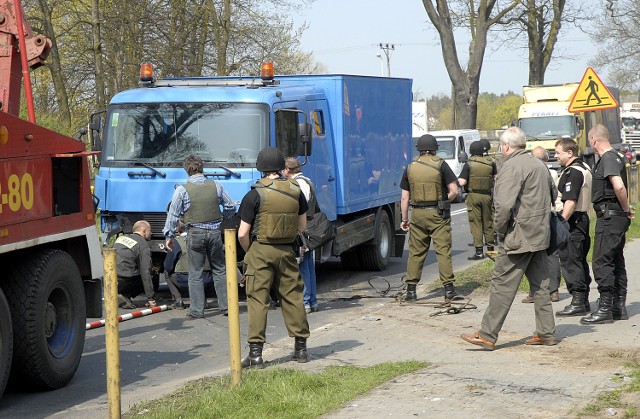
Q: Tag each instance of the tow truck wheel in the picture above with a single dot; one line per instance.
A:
(46, 299)
(375, 257)
(6, 342)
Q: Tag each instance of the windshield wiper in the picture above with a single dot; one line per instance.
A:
(153, 169)
(226, 169)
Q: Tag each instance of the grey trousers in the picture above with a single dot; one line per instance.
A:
(505, 279)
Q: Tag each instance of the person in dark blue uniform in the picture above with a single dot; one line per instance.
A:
(611, 204)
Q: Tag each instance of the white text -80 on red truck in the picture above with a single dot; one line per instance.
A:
(49, 245)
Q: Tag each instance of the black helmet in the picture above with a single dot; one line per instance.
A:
(486, 145)
(427, 143)
(476, 148)
(270, 159)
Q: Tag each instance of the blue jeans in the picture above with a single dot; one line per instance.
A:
(308, 273)
(205, 244)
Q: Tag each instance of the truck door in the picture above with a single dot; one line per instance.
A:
(321, 166)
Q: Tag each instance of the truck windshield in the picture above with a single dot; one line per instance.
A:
(549, 126)
(229, 134)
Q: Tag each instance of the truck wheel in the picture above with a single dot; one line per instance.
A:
(376, 257)
(6, 342)
(46, 299)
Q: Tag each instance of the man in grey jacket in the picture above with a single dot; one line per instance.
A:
(522, 199)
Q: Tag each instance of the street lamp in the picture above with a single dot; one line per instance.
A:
(381, 64)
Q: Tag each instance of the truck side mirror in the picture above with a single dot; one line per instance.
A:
(305, 135)
(95, 130)
(580, 123)
(463, 157)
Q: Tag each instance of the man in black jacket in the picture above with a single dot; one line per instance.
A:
(133, 256)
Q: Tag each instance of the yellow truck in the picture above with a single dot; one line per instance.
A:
(545, 118)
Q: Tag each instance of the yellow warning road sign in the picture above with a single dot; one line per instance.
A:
(592, 94)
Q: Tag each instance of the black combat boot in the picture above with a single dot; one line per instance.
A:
(587, 305)
(411, 293)
(300, 350)
(490, 248)
(449, 291)
(603, 313)
(576, 307)
(619, 309)
(254, 359)
(478, 255)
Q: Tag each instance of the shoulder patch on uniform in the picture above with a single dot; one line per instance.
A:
(126, 241)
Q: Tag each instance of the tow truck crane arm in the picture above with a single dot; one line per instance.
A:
(37, 49)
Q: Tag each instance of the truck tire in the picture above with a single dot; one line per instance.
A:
(6, 342)
(46, 299)
(376, 257)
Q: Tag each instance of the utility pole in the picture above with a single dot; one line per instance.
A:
(388, 49)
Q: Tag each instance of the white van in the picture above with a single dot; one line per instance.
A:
(453, 147)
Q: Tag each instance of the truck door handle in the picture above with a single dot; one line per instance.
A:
(331, 179)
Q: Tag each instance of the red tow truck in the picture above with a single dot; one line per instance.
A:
(49, 247)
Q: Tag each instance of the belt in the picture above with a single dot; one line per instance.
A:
(424, 206)
(614, 213)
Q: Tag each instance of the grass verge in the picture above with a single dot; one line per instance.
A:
(624, 399)
(273, 392)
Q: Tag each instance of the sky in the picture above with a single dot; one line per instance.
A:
(344, 35)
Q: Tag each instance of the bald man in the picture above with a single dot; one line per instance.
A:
(611, 204)
(133, 257)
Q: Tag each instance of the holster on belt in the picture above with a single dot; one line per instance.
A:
(444, 209)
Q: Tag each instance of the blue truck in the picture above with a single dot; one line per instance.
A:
(352, 133)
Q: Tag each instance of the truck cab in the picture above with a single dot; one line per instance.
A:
(352, 134)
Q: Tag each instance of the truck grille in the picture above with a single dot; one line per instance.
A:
(157, 220)
(128, 219)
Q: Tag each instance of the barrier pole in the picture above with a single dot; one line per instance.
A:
(112, 335)
(232, 300)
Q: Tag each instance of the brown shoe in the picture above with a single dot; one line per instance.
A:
(528, 299)
(537, 340)
(476, 339)
(555, 297)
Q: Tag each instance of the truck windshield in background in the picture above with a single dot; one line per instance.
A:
(549, 127)
(230, 134)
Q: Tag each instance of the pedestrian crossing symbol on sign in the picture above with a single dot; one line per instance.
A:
(592, 94)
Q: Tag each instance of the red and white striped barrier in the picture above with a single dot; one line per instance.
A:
(128, 316)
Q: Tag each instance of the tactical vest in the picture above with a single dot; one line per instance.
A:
(312, 197)
(425, 181)
(204, 205)
(584, 198)
(480, 174)
(277, 218)
(183, 262)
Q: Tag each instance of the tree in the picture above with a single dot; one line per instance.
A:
(478, 20)
(616, 35)
(542, 22)
(99, 45)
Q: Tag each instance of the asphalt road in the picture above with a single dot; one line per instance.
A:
(160, 351)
